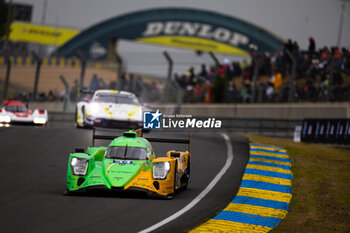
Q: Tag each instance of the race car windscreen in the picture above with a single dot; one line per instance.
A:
(15, 108)
(127, 152)
(113, 98)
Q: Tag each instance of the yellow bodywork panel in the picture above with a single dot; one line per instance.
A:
(178, 166)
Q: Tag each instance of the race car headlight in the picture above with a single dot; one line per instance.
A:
(79, 166)
(5, 118)
(93, 108)
(39, 120)
(160, 170)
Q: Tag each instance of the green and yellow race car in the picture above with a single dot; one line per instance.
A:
(129, 164)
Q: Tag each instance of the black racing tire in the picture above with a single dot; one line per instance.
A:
(184, 180)
(68, 193)
(85, 125)
(76, 118)
(186, 176)
(175, 174)
(83, 112)
(170, 196)
(152, 195)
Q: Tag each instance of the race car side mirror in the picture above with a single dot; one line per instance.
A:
(79, 150)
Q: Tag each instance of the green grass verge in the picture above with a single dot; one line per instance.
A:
(321, 187)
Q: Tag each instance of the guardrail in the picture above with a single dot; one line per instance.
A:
(61, 117)
(266, 119)
(277, 111)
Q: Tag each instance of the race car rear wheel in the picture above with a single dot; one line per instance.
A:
(186, 177)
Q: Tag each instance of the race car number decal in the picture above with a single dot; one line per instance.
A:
(123, 162)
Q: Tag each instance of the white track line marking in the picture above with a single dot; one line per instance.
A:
(203, 193)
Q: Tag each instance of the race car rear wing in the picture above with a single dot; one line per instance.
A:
(87, 91)
(139, 134)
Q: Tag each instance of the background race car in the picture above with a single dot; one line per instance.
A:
(129, 164)
(110, 108)
(16, 112)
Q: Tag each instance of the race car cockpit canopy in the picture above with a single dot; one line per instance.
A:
(15, 106)
(129, 146)
(115, 97)
(127, 152)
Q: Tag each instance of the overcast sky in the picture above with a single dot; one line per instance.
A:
(296, 19)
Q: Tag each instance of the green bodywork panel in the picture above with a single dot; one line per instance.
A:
(106, 171)
(121, 172)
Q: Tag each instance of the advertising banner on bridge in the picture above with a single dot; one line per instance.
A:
(176, 27)
(194, 44)
(41, 34)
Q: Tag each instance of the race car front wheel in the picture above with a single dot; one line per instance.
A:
(68, 193)
(84, 125)
(76, 119)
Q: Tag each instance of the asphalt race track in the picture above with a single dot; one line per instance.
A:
(33, 169)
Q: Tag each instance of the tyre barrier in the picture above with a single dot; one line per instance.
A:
(263, 198)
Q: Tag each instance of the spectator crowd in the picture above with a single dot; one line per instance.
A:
(316, 73)
(316, 70)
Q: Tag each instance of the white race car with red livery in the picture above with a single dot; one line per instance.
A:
(12, 111)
